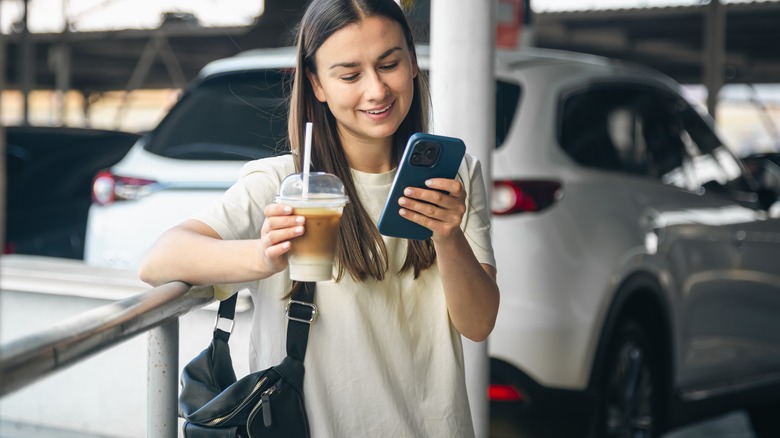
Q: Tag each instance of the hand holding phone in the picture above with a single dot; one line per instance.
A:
(426, 156)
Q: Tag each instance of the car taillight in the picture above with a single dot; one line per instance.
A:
(107, 188)
(524, 196)
(505, 393)
(10, 248)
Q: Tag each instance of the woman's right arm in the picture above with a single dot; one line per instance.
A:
(194, 253)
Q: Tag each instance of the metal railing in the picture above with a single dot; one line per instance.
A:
(29, 359)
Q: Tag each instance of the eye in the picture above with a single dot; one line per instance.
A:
(350, 78)
(390, 66)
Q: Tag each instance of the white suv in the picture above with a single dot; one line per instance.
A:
(637, 260)
(232, 113)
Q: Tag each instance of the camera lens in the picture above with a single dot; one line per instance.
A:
(430, 154)
(416, 158)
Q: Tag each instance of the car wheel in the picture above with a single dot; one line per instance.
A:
(629, 402)
(764, 420)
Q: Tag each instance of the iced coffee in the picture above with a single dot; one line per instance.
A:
(312, 254)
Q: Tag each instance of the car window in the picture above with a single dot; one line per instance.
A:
(507, 100)
(645, 131)
(240, 116)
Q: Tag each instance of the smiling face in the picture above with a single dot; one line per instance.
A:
(365, 73)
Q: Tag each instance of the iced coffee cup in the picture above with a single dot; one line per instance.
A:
(311, 255)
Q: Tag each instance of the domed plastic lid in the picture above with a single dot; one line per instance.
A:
(325, 190)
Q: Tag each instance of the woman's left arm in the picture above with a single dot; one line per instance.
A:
(469, 287)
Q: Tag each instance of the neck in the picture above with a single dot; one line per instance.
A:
(369, 156)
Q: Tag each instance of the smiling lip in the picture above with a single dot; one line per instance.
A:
(379, 111)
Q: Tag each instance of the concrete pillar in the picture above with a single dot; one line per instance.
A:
(463, 94)
(714, 61)
(3, 181)
(60, 60)
(26, 71)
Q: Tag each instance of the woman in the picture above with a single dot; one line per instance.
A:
(384, 357)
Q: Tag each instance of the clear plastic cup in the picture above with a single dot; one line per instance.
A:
(312, 254)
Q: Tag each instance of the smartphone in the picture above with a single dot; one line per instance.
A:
(426, 156)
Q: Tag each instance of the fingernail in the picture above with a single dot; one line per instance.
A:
(402, 212)
(402, 201)
(286, 245)
(287, 209)
(428, 183)
(300, 219)
(299, 229)
(408, 192)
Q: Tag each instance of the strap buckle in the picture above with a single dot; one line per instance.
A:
(312, 309)
(217, 324)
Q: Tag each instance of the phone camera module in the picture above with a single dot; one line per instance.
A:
(425, 154)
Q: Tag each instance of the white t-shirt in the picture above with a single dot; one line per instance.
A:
(383, 358)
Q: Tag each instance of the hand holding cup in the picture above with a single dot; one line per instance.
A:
(279, 228)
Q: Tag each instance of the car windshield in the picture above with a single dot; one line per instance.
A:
(240, 116)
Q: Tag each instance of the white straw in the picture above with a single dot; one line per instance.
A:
(306, 160)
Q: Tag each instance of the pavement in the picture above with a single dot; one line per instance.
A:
(732, 425)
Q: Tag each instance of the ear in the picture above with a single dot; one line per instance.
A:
(415, 67)
(319, 93)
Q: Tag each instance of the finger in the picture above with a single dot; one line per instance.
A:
(271, 210)
(435, 197)
(280, 222)
(441, 227)
(451, 186)
(277, 251)
(422, 208)
(276, 256)
(418, 218)
(429, 196)
(277, 216)
(436, 215)
(281, 236)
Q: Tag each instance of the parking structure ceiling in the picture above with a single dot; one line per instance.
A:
(672, 39)
(669, 39)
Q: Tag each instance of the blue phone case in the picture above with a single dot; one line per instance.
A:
(413, 171)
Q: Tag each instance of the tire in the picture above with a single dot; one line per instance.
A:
(764, 420)
(629, 399)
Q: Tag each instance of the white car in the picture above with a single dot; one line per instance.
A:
(232, 113)
(637, 261)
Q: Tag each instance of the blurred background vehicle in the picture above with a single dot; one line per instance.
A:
(634, 261)
(49, 175)
(233, 112)
(633, 247)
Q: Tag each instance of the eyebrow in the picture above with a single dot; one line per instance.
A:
(355, 64)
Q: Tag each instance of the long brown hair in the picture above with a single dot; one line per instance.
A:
(360, 249)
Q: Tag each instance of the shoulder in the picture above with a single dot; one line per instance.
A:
(274, 167)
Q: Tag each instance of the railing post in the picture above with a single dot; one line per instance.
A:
(162, 382)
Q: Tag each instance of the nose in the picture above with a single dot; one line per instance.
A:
(376, 88)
